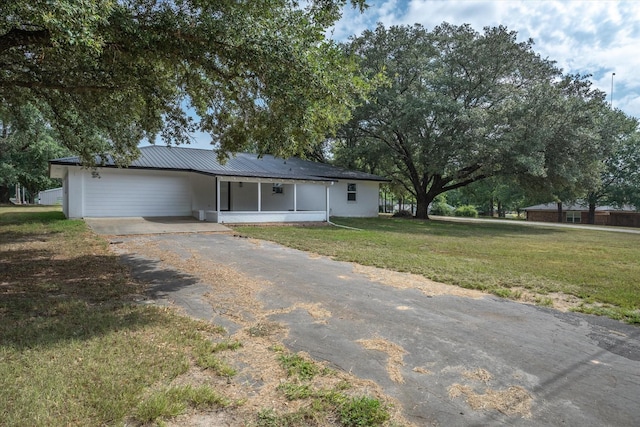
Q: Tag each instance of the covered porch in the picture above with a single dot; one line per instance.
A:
(242, 199)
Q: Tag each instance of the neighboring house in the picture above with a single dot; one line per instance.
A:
(52, 196)
(578, 213)
(177, 181)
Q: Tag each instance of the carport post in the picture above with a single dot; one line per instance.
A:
(295, 197)
(259, 196)
(217, 199)
(327, 191)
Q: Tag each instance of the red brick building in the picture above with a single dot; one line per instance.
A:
(579, 214)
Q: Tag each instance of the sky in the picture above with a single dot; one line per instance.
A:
(596, 37)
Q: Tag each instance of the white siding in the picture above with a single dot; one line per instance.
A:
(136, 193)
(311, 197)
(366, 204)
(75, 192)
(203, 189)
(50, 197)
(245, 197)
(277, 201)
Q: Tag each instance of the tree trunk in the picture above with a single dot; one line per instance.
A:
(501, 213)
(491, 211)
(422, 205)
(4, 194)
(591, 219)
(559, 211)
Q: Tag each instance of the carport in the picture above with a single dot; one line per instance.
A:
(153, 225)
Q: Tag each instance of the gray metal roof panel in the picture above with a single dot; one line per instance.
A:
(241, 164)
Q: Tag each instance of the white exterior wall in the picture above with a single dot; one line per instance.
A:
(366, 204)
(131, 192)
(244, 198)
(203, 192)
(311, 197)
(52, 196)
(122, 193)
(75, 192)
(277, 201)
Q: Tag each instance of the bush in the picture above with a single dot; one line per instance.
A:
(466, 211)
(441, 209)
(402, 214)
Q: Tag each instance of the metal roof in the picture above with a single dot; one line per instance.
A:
(241, 164)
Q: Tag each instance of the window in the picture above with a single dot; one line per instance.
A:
(574, 217)
(351, 192)
(277, 189)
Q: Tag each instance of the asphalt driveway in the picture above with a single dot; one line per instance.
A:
(448, 351)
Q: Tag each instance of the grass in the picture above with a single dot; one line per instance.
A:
(75, 349)
(599, 267)
(333, 402)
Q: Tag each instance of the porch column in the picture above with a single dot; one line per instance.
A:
(259, 196)
(295, 197)
(327, 191)
(217, 199)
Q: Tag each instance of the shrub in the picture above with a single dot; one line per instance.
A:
(466, 211)
(441, 209)
(402, 214)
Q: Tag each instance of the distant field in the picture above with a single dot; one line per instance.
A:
(601, 268)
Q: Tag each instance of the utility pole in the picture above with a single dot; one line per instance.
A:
(612, 74)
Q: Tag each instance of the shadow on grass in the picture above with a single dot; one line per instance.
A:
(45, 300)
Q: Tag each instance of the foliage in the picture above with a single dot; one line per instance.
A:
(451, 114)
(599, 267)
(26, 145)
(619, 182)
(440, 207)
(107, 74)
(468, 211)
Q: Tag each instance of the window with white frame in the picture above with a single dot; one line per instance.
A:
(351, 192)
(277, 189)
(574, 217)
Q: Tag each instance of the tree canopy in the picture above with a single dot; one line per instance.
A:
(460, 106)
(106, 74)
(26, 146)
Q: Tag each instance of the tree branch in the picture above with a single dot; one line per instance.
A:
(57, 86)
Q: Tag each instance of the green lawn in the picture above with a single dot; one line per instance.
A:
(602, 268)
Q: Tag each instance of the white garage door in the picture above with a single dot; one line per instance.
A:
(137, 193)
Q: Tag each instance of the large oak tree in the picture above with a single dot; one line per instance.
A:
(106, 74)
(460, 106)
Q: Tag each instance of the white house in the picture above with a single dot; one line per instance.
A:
(177, 181)
(52, 196)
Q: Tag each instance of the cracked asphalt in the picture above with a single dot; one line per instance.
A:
(579, 370)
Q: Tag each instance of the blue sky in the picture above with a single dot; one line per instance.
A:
(597, 37)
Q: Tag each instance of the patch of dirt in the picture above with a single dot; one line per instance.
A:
(559, 301)
(478, 374)
(514, 400)
(234, 295)
(511, 401)
(395, 355)
(415, 281)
